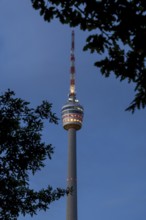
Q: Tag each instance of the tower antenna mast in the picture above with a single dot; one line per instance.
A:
(72, 93)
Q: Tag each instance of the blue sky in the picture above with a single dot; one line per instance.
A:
(111, 147)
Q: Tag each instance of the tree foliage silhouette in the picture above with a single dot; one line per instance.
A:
(22, 153)
(117, 34)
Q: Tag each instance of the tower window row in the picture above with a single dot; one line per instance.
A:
(72, 111)
(71, 120)
(73, 116)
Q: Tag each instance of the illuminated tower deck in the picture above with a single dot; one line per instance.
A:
(72, 116)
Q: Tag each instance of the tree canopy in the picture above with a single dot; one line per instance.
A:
(117, 33)
(23, 153)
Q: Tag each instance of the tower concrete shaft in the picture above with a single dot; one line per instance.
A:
(72, 176)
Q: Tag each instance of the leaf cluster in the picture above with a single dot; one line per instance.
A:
(119, 28)
(22, 152)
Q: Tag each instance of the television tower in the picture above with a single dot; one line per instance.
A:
(72, 116)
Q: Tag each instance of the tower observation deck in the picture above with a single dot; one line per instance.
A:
(72, 117)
